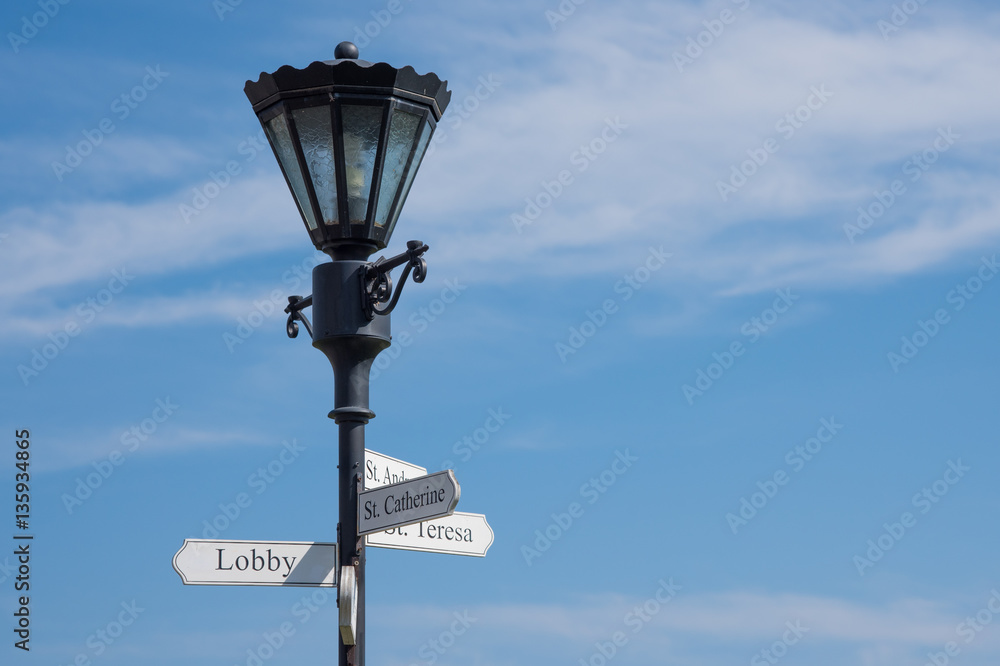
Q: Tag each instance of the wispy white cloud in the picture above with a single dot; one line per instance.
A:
(656, 183)
(71, 450)
(686, 130)
(142, 312)
(691, 626)
(53, 246)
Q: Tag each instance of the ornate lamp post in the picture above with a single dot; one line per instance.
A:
(349, 136)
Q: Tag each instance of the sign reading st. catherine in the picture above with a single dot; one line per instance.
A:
(424, 498)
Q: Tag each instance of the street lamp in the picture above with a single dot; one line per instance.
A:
(349, 136)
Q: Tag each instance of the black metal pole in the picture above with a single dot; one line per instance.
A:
(342, 331)
(352, 452)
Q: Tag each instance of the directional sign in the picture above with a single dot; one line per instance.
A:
(381, 470)
(423, 498)
(289, 563)
(457, 534)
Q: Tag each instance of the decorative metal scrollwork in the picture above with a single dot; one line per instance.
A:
(378, 283)
(295, 306)
(378, 297)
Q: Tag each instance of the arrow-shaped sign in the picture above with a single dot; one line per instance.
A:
(290, 563)
(457, 534)
(423, 498)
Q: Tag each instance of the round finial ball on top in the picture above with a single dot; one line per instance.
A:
(346, 50)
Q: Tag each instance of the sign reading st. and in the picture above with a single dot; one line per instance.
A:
(383, 470)
(288, 563)
(424, 498)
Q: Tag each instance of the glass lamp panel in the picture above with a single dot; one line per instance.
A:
(315, 130)
(402, 138)
(281, 140)
(418, 154)
(362, 127)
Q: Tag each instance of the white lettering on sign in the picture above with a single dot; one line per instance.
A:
(423, 498)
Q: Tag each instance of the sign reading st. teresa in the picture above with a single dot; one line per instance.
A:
(426, 497)
(290, 563)
(457, 534)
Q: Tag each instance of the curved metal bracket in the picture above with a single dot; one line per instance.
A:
(295, 306)
(377, 285)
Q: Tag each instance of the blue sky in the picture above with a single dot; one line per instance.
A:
(745, 249)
